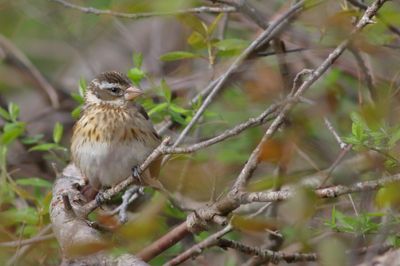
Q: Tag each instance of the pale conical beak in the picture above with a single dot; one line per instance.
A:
(132, 93)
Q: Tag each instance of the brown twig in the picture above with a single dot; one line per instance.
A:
(266, 254)
(330, 192)
(33, 240)
(198, 248)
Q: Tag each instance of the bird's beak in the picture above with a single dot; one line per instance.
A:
(132, 93)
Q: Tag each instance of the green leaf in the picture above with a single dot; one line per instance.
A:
(4, 114)
(178, 55)
(176, 117)
(196, 40)
(13, 110)
(214, 24)
(137, 60)
(231, 44)
(34, 182)
(12, 131)
(136, 75)
(32, 139)
(47, 147)
(158, 108)
(26, 215)
(77, 97)
(177, 109)
(57, 132)
(394, 138)
(76, 112)
(193, 22)
(82, 87)
(166, 90)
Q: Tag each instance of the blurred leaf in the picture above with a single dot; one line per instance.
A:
(136, 75)
(388, 196)
(27, 215)
(158, 108)
(214, 24)
(137, 60)
(76, 112)
(253, 224)
(4, 114)
(13, 110)
(176, 117)
(47, 147)
(196, 40)
(57, 132)
(231, 44)
(34, 182)
(77, 97)
(193, 22)
(12, 131)
(29, 140)
(166, 90)
(177, 109)
(177, 55)
(82, 87)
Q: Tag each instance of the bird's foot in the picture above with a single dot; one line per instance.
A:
(136, 174)
(102, 197)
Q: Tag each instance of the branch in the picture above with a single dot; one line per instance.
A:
(266, 36)
(198, 248)
(33, 240)
(331, 192)
(265, 254)
(80, 243)
(98, 12)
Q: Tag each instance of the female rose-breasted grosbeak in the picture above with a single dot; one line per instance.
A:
(113, 134)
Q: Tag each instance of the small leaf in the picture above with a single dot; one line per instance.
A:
(158, 108)
(47, 147)
(82, 87)
(76, 112)
(178, 55)
(177, 109)
(13, 110)
(4, 114)
(58, 132)
(196, 40)
(12, 131)
(77, 97)
(137, 60)
(34, 182)
(32, 139)
(136, 75)
(214, 24)
(166, 90)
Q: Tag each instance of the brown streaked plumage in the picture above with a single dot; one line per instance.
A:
(113, 134)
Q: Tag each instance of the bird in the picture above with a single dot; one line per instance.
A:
(113, 135)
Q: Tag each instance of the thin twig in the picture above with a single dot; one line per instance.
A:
(330, 192)
(24, 242)
(198, 248)
(334, 133)
(95, 11)
(266, 254)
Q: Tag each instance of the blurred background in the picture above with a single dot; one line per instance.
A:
(49, 51)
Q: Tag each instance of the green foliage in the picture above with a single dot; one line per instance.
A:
(203, 43)
(79, 98)
(168, 107)
(376, 136)
(364, 223)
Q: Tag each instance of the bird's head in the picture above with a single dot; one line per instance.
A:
(113, 88)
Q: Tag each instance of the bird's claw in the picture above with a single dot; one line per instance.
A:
(101, 197)
(135, 173)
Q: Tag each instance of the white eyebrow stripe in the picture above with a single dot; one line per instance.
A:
(105, 84)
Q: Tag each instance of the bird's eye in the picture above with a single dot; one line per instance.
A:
(115, 90)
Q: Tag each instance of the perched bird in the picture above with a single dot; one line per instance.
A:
(114, 134)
